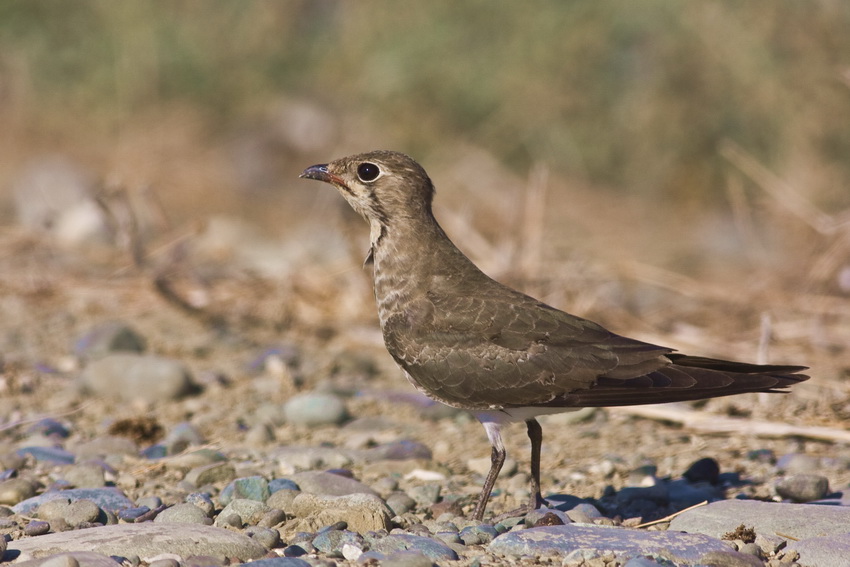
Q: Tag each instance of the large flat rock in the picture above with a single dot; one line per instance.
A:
(624, 543)
(83, 559)
(146, 540)
(827, 551)
(799, 521)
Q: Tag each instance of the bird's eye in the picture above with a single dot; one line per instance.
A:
(368, 171)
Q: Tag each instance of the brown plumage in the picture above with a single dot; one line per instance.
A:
(470, 342)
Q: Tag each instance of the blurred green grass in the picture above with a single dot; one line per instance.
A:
(633, 96)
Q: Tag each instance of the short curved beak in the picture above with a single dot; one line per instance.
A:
(318, 172)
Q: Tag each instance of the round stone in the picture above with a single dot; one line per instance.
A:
(802, 487)
(134, 376)
(183, 513)
(15, 490)
(81, 512)
(313, 409)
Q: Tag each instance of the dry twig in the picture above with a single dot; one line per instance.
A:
(671, 516)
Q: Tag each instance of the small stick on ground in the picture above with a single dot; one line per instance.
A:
(671, 516)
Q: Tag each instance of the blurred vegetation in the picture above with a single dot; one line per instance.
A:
(635, 96)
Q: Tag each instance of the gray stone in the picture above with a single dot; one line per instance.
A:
(198, 458)
(730, 558)
(182, 436)
(50, 428)
(313, 409)
(425, 494)
(642, 562)
(36, 528)
(448, 537)
(329, 484)
(400, 503)
(430, 548)
(827, 551)
(280, 562)
(272, 518)
(183, 513)
(202, 501)
(802, 487)
(797, 520)
(73, 559)
(14, 490)
(361, 512)
(276, 484)
(624, 543)
(112, 336)
(297, 550)
(53, 509)
(249, 487)
(105, 446)
(552, 515)
(61, 561)
(132, 376)
(267, 537)
(282, 499)
(149, 501)
(50, 455)
(107, 498)
(81, 512)
(310, 458)
(331, 542)
(87, 475)
(644, 475)
(133, 514)
(401, 451)
(147, 540)
(249, 511)
(201, 561)
(407, 559)
(483, 533)
(210, 474)
(770, 543)
(385, 486)
(584, 513)
(750, 549)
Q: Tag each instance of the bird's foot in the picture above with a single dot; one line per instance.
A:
(534, 504)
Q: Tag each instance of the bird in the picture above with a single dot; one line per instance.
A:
(468, 341)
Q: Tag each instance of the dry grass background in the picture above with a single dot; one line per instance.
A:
(678, 172)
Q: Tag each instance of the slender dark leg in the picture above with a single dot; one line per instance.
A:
(497, 459)
(535, 434)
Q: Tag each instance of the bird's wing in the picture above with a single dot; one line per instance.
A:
(508, 349)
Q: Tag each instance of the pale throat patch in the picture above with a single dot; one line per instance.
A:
(374, 231)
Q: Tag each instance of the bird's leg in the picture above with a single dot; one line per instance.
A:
(497, 459)
(535, 435)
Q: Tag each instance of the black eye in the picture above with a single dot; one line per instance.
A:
(368, 171)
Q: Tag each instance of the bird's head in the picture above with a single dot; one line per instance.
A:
(382, 186)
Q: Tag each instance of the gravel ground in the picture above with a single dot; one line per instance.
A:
(215, 399)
